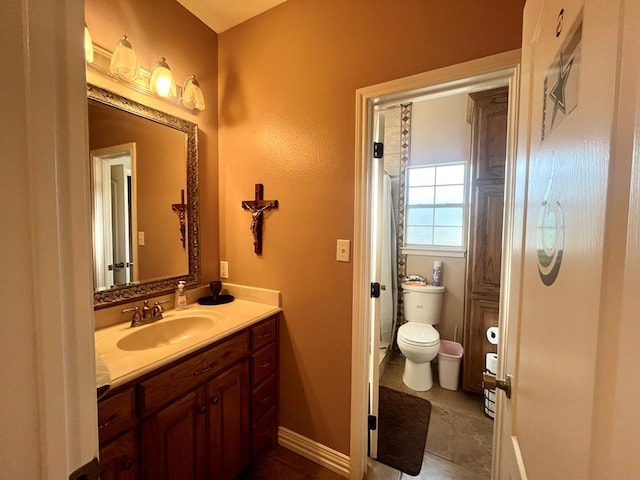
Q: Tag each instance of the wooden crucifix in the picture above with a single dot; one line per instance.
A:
(257, 207)
(181, 210)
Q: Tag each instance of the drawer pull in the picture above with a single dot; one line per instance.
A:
(205, 369)
(215, 401)
(265, 399)
(265, 432)
(127, 463)
(203, 410)
(111, 418)
(265, 335)
(264, 365)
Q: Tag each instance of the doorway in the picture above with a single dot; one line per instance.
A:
(484, 74)
(115, 215)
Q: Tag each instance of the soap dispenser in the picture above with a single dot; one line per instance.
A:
(181, 297)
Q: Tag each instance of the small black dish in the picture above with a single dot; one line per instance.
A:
(215, 300)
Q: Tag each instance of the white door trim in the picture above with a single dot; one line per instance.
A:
(47, 342)
(498, 69)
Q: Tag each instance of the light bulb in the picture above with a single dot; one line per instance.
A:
(88, 46)
(192, 96)
(161, 81)
(124, 62)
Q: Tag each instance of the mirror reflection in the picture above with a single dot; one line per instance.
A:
(144, 186)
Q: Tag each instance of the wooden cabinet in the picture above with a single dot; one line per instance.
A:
(118, 459)
(194, 419)
(482, 291)
(172, 440)
(264, 385)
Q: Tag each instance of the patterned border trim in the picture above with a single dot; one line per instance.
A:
(405, 154)
(119, 295)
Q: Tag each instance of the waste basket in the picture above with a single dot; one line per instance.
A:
(449, 359)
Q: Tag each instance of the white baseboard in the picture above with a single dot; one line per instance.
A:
(314, 451)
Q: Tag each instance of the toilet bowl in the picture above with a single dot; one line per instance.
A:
(418, 340)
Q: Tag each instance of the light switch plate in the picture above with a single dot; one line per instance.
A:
(224, 269)
(343, 251)
(141, 239)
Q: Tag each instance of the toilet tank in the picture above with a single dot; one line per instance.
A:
(422, 303)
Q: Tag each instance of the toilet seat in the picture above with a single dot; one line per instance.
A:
(419, 334)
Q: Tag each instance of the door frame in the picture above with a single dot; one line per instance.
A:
(492, 70)
(49, 426)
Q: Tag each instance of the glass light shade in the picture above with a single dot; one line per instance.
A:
(192, 96)
(124, 62)
(161, 81)
(88, 46)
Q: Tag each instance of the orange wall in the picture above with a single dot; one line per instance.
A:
(287, 80)
(164, 28)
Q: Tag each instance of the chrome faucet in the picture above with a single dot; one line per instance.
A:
(147, 314)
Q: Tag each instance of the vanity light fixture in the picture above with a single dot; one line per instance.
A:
(124, 62)
(88, 45)
(162, 82)
(192, 96)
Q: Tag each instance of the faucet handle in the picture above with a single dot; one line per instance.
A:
(136, 318)
(157, 307)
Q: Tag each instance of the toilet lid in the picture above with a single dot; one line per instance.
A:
(419, 334)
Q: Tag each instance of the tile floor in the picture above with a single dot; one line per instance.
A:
(458, 443)
(460, 434)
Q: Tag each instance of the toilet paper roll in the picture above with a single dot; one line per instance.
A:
(491, 363)
(492, 335)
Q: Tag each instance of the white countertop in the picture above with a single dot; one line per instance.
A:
(229, 318)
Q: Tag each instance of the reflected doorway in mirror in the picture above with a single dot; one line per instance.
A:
(115, 215)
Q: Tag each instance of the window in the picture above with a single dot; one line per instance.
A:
(435, 206)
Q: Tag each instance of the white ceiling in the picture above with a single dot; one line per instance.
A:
(221, 15)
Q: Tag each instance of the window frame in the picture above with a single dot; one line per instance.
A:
(434, 249)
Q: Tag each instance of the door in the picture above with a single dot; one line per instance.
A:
(555, 251)
(172, 440)
(484, 255)
(376, 185)
(114, 215)
(228, 404)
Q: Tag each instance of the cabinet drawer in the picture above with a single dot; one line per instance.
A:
(263, 433)
(174, 382)
(118, 459)
(116, 414)
(263, 398)
(263, 334)
(263, 364)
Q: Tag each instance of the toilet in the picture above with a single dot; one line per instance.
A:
(418, 340)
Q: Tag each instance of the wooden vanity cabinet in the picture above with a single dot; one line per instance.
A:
(264, 385)
(118, 448)
(204, 434)
(195, 417)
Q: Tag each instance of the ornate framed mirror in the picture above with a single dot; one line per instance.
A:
(144, 186)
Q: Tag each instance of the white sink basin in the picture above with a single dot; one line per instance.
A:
(167, 332)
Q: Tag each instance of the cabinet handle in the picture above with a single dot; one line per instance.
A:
(127, 463)
(204, 370)
(203, 410)
(265, 335)
(264, 365)
(215, 401)
(111, 418)
(265, 399)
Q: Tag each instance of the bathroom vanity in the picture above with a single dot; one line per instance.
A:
(199, 412)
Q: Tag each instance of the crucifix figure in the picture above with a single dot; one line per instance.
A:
(257, 207)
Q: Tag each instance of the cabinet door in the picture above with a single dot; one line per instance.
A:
(482, 296)
(228, 398)
(173, 440)
(118, 459)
